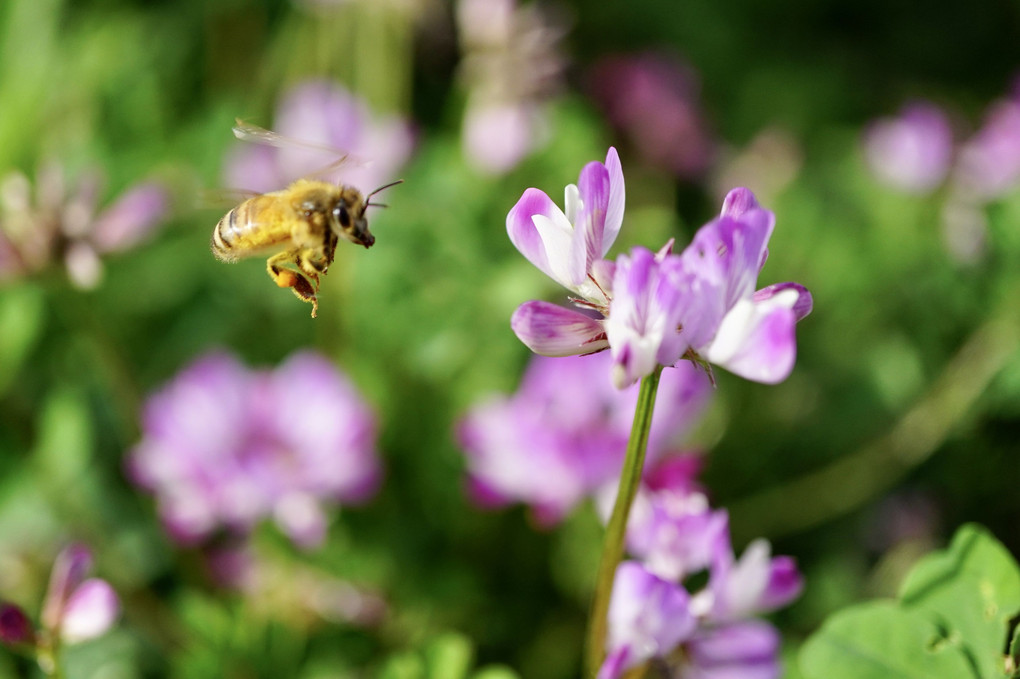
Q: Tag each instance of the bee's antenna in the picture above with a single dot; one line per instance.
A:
(385, 186)
(376, 205)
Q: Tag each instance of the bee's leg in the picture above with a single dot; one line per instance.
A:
(288, 278)
(313, 263)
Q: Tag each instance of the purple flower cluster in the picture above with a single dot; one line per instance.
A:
(225, 447)
(323, 119)
(55, 222)
(76, 608)
(568, 421)
(711, 633)
(650, 308)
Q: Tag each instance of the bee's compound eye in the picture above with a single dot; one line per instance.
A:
(342, 215)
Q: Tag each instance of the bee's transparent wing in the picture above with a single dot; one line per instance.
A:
(246, 131)
(222, 198)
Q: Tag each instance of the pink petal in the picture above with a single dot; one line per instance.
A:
(738, 201)
(757, 341)
(91, 610)
(614, 210)
(552, 330)
(131, 219)
(593, 187)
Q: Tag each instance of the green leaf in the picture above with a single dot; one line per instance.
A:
(21, 317)
(64, 447)
(403, 666)
(972, 589)
(449, 657)
(880, 640)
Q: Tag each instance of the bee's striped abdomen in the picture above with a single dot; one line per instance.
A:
(226, 234)
(249, 230)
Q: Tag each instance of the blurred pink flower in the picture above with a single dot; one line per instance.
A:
(989, 162)
(654, 101)
(54, 222)
(912, 151)
(562, 436)
(320, 113)
(224, 447)
(511, 65)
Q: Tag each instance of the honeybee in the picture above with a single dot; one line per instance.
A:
(303, 223)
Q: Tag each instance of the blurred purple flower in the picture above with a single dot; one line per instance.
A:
(654, 101)
(745, 650)
(61, 224)
(675, 534)
(224, 447)
(320, 113)
(562, 436)
(654, 309)
(988, 164)
(511, 65)
(77, 608)
(754, 584)
(649, 617)
(912, 151)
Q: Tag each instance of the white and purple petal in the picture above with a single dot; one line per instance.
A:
(642, 327)
(757, 341)
(801, 308)
(729, 251)
(552, 330)
(544, 235)
(756, 583)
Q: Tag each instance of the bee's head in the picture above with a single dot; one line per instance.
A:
(349, 222)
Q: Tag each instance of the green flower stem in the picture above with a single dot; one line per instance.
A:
(612, 544)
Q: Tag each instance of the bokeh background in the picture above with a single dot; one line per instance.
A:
(897, 425)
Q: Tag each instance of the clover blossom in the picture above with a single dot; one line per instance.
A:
(55, 222)
(323, 119)
(224, 447)
(708, 633)
(561, 437)
(655, 309)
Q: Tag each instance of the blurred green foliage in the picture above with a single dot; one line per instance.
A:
(150, 90)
